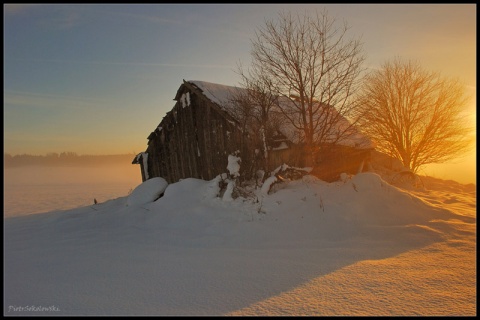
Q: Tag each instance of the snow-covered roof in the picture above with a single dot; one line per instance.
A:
(223, 96)
(218, 93)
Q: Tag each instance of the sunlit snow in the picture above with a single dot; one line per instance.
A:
(359, 246)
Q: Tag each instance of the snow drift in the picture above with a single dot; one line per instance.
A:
(310, 248)
(148, 191)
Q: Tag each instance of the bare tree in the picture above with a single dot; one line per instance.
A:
(310, 62)
(258, 105)
(414, 115)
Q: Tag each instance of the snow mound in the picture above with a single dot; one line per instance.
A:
(227, 196)
(234, 165)
(184, 187)
(268, 184)
(368, 181)
(148, 191)
(213, 188)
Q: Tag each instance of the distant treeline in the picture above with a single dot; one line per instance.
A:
(66, 159)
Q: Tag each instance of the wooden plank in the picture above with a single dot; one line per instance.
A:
(179, 147)
(208, 142)
(200, 136)
(193, 139)
(188, 130)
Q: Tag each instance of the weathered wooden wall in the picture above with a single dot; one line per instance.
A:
(194, 141)
(293, 156)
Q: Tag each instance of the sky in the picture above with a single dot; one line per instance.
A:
(359, 246)
(97, 79)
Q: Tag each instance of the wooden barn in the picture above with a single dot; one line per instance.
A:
(196, 137)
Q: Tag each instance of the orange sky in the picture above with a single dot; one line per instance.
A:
(97, 79)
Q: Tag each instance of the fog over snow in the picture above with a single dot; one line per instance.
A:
(358, 246)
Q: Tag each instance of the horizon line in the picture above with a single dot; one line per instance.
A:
(69, 152)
